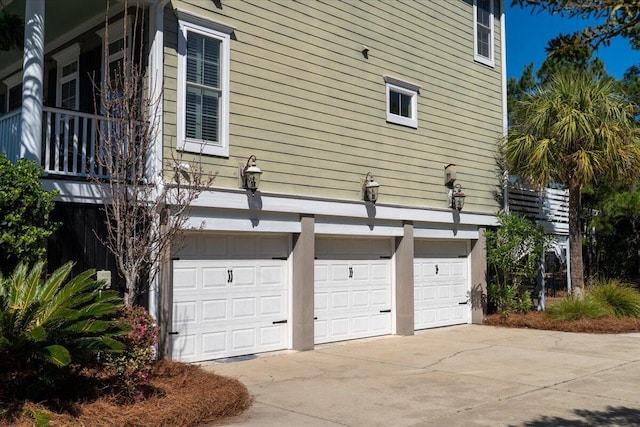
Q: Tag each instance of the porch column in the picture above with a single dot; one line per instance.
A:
(303, 285)
(478, 257)
(405, 307)
(32, 81)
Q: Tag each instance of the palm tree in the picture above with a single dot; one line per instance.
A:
(576, 130)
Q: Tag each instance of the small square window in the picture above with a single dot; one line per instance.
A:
(402, 102)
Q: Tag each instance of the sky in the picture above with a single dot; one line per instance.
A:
(528, 35)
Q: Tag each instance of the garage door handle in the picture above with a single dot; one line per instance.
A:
(350, 272)
(463, 303)
(278, 322)
(174, 333)
(385, 311)
(229, 276)
(437, 269)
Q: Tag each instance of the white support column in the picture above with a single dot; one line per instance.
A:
(32, 81)
(568, 258)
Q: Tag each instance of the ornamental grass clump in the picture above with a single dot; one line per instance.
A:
(571, 308)
(622, 300)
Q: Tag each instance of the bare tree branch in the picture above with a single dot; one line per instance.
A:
(137, 201)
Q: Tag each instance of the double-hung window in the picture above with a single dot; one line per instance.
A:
(402, 102)
(483, 31)
(203, 86)
(68, 82)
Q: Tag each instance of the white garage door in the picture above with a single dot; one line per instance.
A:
(440, 284)
(352, 289)
(229, 297)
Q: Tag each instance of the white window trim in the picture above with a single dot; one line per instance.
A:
(11, 82)
(221, 32)
(405, 88)
(64, 58)
(490, 61)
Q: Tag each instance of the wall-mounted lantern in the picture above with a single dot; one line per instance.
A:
(455, 196)
(370, 188)
(250, 175)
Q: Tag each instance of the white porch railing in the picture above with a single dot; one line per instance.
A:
(10, 134)
(70, 141)
(549, 207)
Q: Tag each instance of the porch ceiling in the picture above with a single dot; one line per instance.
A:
(61, 17)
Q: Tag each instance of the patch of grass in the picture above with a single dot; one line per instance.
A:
(622, 300)
(570, 308)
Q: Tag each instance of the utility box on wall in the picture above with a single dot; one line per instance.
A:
(450, 175)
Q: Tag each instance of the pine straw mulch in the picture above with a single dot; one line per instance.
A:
(539, 320)
(184, 395)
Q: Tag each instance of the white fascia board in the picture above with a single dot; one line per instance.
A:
(443, 233)
(75, 191)
(229, 220)
(228, 199)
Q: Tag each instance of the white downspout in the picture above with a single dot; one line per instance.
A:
(156, 76)
(32, 81)
(505, 113)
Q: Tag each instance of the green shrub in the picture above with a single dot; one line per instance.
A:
(24, 214)
(622, 300)
(49, 323)
(130, 369)
(570, 308)
(509, 299)
(514, 253)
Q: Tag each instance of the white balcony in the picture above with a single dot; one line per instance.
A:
(70, 142)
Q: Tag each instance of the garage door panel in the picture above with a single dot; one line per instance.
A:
(357, 286)
(440, 284)
(339, 272)
(271, 275)
(339, 300)
(270, 335)
(214, 277)
(184, 312)
(185, 345)
(360, 324)
(185, 278)
(226, 307)
(339, 327)
(321, 274)
(272, 305)
(214, 343)
(243, 339)
(243, 308)
(214, 310)
(360, 298)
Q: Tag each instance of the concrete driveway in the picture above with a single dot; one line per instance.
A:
(460, 376)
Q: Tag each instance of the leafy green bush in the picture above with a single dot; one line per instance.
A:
(130, 369)
(622, 300)
(514, 253)
(570, 308)
(24, 214)
(50, 323)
